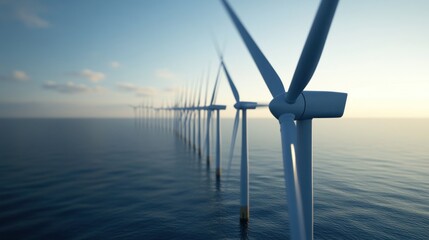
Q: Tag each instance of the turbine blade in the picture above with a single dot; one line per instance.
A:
(272, 80)
(293, 189)
(207, 88)
(217, 48)
(231, 83)
(200, 90)
(234, 137)
(215, 86)
(313, 49)
(186, 95)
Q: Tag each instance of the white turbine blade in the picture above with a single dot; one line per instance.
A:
(186, 95)
(207, 88)
(272, 80)
(215, 86)
(194, 97)
(293, 189)
(231, 83)
(217, 48)
(234, 137)
(313, 49)
(200, 90)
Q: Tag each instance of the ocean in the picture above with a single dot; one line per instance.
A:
(113, 179)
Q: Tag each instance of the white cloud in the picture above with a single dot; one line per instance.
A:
(91, 75)
(17, 76)
(71, 87)
(115, 64)
(172, 89)
(139, 91)
(31, 18)
(165, 74)
(20, 75)
(28, 12)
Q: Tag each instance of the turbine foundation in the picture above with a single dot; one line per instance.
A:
(244, 213)
(218, 172)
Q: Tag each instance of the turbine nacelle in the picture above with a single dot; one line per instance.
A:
(245, 105)
(216, 107)
(310, 104)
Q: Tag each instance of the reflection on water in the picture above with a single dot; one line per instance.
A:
(243, 230)
(105, 178)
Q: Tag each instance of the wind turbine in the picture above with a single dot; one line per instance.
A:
(244, 164)
(192, 138)
(206, 109)
(217, 108)
(135, 113)
(180, 114)
(185, 115)
(300, 106)
(145, 113)
(199, 118)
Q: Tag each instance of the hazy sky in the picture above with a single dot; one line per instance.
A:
(85, 58)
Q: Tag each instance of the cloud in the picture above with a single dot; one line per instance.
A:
(71, 87)
(20, 75)
(115, 64)
(91, 75)
(17, 76)
(31, 18)
(172, 89)
(27, 12)
(139, 91)
(165, 74)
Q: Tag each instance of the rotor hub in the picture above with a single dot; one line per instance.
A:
(310, 104)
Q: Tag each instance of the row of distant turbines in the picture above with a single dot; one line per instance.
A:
(294, 109)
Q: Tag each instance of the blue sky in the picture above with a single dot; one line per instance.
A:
(92, 58)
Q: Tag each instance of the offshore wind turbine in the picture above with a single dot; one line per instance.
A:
(135, 113)
(206, 113)
(185, 115)
(192, 137)
(244, 163)
(170, 116)
(179, 113)
(141, 114)
(188, 117)
(216, 108)
(182, 116)
(151, 113)
(300, 106)
(146, 113)
(199, 118)
(195, 110)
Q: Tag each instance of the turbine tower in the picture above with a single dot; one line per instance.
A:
(300, 106)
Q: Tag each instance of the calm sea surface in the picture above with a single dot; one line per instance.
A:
(107, 178)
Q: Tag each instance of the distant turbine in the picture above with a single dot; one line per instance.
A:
(135, 113)
(244, 165)
(199, 119)
(217, 108)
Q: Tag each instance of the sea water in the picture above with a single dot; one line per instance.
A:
(117, 178)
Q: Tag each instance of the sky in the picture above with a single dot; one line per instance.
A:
(93, 58)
